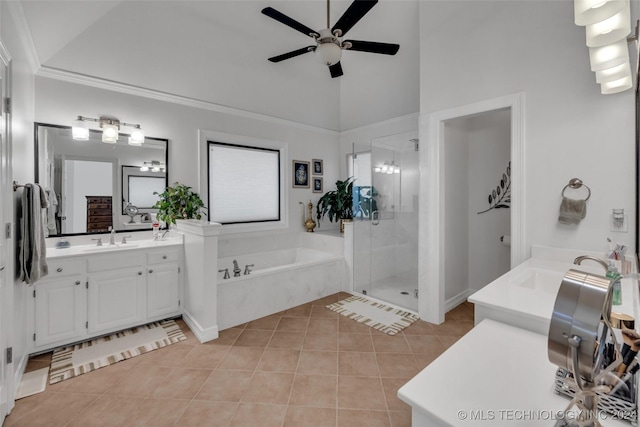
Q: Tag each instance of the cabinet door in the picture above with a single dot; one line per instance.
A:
(116, 300)
(60, 310)
(163, 290)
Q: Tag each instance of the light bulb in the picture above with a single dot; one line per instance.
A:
(137, 137)
(109, 133)
(80, 130)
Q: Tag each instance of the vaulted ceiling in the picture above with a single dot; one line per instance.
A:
(216, 51)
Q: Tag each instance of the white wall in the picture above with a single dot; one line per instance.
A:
(456, 209)
(487, 49)
(58, 102)
(489, 155)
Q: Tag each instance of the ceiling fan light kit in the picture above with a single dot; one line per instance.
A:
(329, 45)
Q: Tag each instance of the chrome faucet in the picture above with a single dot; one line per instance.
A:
(236, 269)
(226, 273)
(112, 236)
(247, 269)
(581, 258)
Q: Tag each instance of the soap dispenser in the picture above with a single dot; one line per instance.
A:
(614, 276)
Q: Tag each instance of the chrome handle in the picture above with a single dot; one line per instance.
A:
(77, 282)
(59, 269)
(375, 218)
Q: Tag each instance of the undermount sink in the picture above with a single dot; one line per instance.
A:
(109, 247)
(542, 280)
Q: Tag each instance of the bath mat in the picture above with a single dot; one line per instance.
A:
(33, 382)
(71, 361)
(384, 318)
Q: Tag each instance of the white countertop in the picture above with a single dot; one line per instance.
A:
(106, 248)
(496, 374)
(525, 296)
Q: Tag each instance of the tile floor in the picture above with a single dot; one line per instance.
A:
(306, 366)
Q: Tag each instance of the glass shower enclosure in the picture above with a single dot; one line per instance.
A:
(385, 224)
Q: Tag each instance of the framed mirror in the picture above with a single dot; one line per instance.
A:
(94, 185)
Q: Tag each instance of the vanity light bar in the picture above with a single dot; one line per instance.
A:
(608, 23)
(110, 128)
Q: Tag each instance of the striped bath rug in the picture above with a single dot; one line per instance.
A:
(384, 318)
(74, 360)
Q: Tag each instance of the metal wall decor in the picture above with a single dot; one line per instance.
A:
(501, 196)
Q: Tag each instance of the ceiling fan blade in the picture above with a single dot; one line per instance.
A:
(352, 15)
(290, 22)
(292, 54)
(335, 70)
(373, 47)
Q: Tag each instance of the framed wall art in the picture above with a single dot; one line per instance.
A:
(317, 166)
(317, 185)
(300, 174)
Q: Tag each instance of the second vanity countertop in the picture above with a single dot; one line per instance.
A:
(525, 296)
(53, 253)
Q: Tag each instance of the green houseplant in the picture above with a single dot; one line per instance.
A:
(178, 202)
(337, 204)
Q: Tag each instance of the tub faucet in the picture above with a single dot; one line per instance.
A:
(236, 269)
(226, 273)
(247, 269)
(581, 258)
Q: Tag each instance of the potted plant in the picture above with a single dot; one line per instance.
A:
(178, 202)
(337, 204)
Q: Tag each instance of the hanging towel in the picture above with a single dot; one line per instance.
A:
(572, 211)
(52, 199)
(32, 252)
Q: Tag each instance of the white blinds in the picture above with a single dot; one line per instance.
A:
(244, 184)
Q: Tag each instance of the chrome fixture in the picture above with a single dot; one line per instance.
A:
(578, 332)
(110, 128)
(607, 25)
(124, 239)
(236, 269)
(153, 166)
(416, 144)
(99, 239)
(602, 262)
(247, 269)
(226, 273)
(112, 236)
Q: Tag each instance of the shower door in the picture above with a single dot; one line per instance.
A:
(386, 219)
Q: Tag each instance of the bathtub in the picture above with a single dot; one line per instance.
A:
(280, 279)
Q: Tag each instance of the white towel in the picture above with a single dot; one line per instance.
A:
(32, 251)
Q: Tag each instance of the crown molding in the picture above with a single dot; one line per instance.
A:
(412, 116)
(24, 34)
(85, 80)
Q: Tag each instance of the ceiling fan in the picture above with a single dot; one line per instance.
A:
(329, 43)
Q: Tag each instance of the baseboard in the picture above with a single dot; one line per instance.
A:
(452, 303)
(203, 335)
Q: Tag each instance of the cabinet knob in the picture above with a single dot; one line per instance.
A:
(139, 273)
(164, 257)
(59, 269)
(150, 271)
(77, 282)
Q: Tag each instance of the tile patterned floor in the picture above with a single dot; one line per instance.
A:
(306, 366)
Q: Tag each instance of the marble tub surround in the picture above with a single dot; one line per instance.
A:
(525, 295)
(502, 377)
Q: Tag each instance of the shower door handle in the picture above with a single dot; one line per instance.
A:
(375, 218)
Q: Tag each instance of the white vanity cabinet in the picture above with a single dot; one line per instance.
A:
(61, 304)
(91, 294)
(163, 280)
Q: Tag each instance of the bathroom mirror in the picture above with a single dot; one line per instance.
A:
(93, 185)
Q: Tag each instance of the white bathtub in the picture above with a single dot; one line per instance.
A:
(280, 279)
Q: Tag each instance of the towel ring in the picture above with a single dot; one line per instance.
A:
(574, 184)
